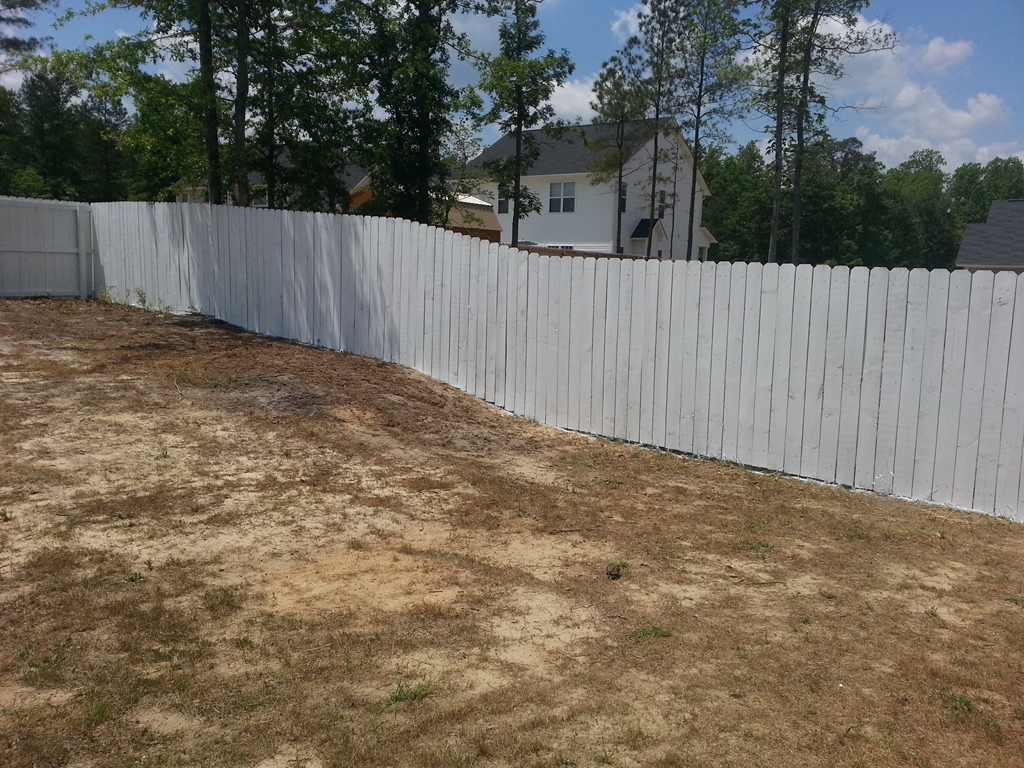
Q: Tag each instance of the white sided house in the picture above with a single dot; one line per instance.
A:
(579, 213)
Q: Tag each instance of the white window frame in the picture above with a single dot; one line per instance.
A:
(558, 200)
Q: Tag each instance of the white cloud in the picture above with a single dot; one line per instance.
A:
(907, 108)
(572, 99)
(922, 110)
(939, 56)
(10, 78)
(627, 22)
(893, 150)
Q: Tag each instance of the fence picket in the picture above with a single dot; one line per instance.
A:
(910, 390)
(578, 301)
(705, 306)
(765, 365)
(719, 359)
(622, 350)
(814, 387)
(832, 391)
(604, 361)
(734, 384)
(563, 281)
(1009, 472)
(853, 375)
(871, 380)
(645, 317)
(799, 349)
(777, 434)
(521, 273)
(662, 307)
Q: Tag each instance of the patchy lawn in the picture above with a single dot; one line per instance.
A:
(222, 550)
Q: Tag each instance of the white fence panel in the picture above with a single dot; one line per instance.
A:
(46, 248)
(895, 381)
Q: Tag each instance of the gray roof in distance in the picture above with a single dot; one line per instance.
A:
(998, 243)
(568, 154)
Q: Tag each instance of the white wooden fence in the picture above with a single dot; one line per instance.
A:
(45, 248)
(905, 383)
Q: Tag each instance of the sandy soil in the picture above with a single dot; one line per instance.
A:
(321, 527)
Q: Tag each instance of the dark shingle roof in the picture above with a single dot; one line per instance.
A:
(568, 154)
(999, 243)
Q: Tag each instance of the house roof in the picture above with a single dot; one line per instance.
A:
(571, 153)
(998, 243)
(644, 228)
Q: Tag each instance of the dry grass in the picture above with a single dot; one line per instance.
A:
(222, 550)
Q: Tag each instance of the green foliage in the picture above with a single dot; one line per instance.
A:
(407, 692)
(649, 631)
(973, 187)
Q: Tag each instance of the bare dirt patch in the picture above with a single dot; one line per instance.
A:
(223, 550)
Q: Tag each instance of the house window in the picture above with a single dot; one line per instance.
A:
(502, 205)
(702, 253)
(622, 196)
(661, 204)
(563, 197)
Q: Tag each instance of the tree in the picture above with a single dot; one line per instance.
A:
(51, 123)
(12, 18)
(740, 209)
(306, 76)
(621, 112)
(923, 229)
(711, 81)
(408, 59)
(519, 86)
(269, 81)
(973, 187)
(651, 58)
(797, 56)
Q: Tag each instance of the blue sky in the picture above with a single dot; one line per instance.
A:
(954, 83)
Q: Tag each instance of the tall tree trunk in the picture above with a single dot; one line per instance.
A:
(654, 180)
(208, 91)
(241, 103)
(783, 35)
(802, 114)
(517, 180)
(618, 210)
(695, 153)
(693, 191)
